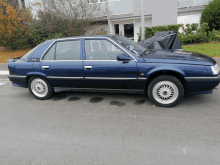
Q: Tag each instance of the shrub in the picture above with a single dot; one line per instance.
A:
(192, 34)
(38, 35)
(211, 15)
(214, 35)
(14, 26)
(150, 31)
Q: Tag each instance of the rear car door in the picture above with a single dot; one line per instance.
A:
(63, 64)
(102, 70)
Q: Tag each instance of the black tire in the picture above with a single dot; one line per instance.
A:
(48, 93)
(155, 94)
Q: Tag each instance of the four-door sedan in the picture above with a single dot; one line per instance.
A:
(113, 63)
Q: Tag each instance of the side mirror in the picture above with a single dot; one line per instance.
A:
(123, 57)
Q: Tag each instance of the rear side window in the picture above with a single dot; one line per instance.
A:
(68, 50)
(50, 54)
(31, 52)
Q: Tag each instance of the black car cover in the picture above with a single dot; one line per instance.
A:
(162, 40)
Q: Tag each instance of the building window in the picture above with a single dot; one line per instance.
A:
(129, 30)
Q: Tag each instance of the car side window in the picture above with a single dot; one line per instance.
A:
(101, 50)
(50, 54)
(68, 50)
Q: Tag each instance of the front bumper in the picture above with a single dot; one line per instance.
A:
(17, 80)
(201, 84)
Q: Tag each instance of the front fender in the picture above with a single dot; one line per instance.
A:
(166, 68)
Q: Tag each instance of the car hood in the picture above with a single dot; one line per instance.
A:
(181, 57)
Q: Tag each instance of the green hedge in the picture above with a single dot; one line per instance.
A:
(190, 34)
(150, 31)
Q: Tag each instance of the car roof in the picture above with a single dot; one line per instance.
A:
(95, 36)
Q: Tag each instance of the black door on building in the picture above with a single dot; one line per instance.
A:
(129, 30)
(116, 28)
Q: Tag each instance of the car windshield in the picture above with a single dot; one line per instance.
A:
(135, 48)
(25, 57)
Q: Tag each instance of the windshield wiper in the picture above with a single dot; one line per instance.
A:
(144, 52)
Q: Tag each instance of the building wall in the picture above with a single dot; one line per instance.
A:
(186, 3)
(189, 18)
(163, 12)
(121, 7)
(148, 23)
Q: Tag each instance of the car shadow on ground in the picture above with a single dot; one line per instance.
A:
(115, 99)
(118, 99)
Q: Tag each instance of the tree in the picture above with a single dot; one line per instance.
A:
(69, 17)
(14, 25)
(211, 15)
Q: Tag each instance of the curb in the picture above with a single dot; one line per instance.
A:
(4, 72)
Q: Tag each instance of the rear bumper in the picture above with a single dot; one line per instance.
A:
(17, 80)
(202, 84)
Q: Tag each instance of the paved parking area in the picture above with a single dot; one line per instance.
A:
(105, 128)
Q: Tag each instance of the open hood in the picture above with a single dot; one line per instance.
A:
(162, 40)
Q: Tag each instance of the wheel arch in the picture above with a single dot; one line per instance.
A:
(174, 73)
(38, 74)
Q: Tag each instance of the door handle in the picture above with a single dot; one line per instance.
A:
(87, 67)
(46, 67)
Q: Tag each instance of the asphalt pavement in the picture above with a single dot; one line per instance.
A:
(107, 129)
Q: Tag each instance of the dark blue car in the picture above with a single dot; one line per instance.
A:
(113, 63)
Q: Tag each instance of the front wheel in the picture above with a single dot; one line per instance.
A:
(40, 88)
(165, 91)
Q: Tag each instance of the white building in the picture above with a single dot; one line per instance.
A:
(125, 16)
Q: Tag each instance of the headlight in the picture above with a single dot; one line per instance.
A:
(215, 69)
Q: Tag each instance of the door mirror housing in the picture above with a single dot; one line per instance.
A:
(123, 57)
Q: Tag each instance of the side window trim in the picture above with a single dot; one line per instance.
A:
(104, 39)
(77, 39)
(121, 48)
(55, 51)
(49, 48)
(55, 43)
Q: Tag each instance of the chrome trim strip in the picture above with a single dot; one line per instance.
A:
(142, 78)
(134, 90)
(60, 60)
(108, 60)
(110, 78)
(52, 77)
(200, 78)
(17, 76)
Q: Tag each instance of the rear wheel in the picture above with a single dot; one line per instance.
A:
(165, 91)
(40, 88)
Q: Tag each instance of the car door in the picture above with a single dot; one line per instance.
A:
(63, 65)
(102, 70)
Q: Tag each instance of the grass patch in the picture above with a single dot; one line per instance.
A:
(7, 54)
(211, 49)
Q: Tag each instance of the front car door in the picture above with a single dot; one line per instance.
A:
(103, 71)
(63, 64)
